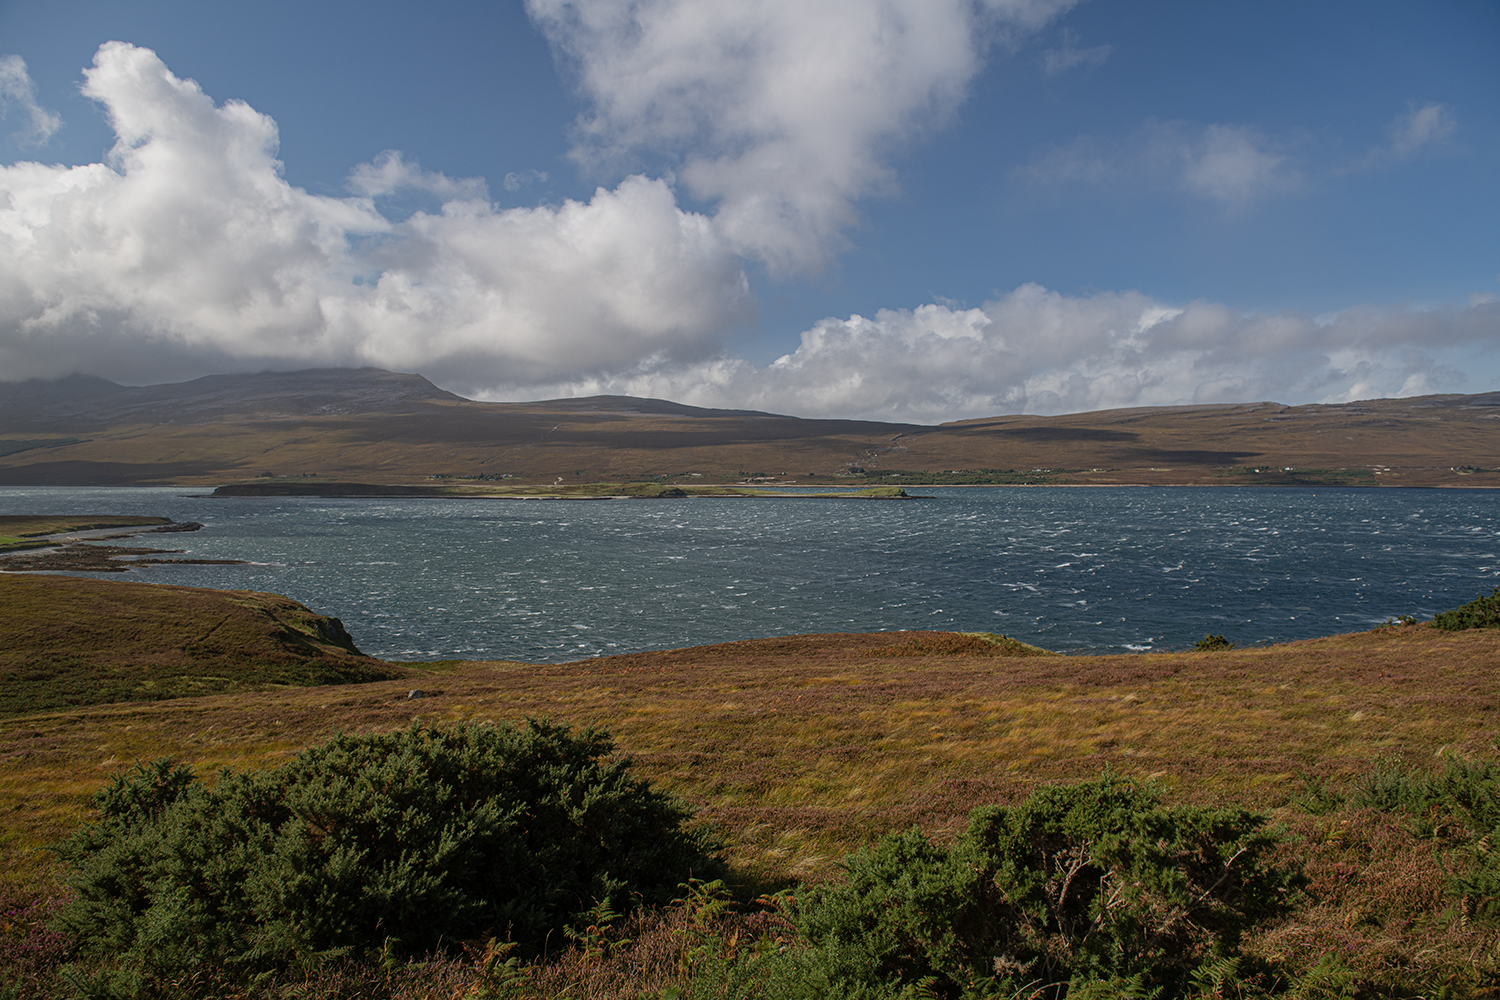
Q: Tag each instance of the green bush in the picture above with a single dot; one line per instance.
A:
(1465, 791)
(1093, 882)
(1209, 643)
(410, 841)
(1482, 612)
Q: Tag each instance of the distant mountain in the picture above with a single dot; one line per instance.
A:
(84, 402)
(373, 426)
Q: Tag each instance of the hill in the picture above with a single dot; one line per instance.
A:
(373, 426)
(74, 641)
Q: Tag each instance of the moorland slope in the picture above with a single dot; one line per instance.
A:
(373, 426)
(803, 748)
(73, 641)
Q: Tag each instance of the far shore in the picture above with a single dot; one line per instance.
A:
(568, 491)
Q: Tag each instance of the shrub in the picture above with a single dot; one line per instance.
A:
(1209, 643)
(408, 840)
(1093, 882)
(1460, 804)
(1463, 799)
(1482, 612)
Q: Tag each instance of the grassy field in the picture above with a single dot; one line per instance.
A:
(802, 748)
(799, 749)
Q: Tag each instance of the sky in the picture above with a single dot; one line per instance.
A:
(913, 210)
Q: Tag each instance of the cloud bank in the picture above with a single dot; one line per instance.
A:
(1038, 351)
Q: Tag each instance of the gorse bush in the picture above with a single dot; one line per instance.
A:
(1212, 642)
(406, 841)
(1465, 793)
(1482, 612)
(1080, 888)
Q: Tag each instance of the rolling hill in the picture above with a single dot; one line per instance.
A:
(374, 426)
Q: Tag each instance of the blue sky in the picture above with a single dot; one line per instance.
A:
(902, 209)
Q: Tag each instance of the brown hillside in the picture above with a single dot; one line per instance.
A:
(72, 641)
(379, 427)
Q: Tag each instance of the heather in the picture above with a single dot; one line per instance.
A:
(902, 815)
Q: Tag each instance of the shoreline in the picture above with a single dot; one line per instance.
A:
(571, 491)
(768, 492)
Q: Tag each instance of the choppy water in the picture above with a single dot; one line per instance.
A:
(1071, 569)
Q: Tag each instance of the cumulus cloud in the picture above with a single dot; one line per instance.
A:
(1038, 351)
(1228, 164)
(1232, 165)
(515, 180)
(18, 93)
(779, 112)
(1422, 129)
(187, 251)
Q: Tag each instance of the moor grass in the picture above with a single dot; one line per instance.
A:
(71, 641)
(803, 748)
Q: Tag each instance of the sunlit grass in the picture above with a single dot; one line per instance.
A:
(802, 753)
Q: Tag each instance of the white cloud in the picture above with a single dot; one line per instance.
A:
(1421, 129)
(18, 93)
(1232, 165)
(1422, 126)
(188, 252)
(1069, 56)
(780, 112)
(1038, 351)
(515, 180)
(389, 172)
